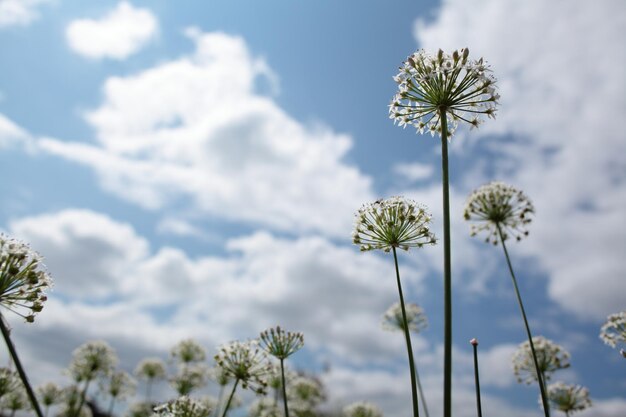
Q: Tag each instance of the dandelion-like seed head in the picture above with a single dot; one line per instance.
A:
(91, 360)
(304, 394)
(49, 394)
(188, 351)
(613, 331)
(279, 343)
(462, 88)
(246, 362)
(550, 357)
(415, 317)
(189, 378)
(23, 279)
(182, 407)
(120, 385)
(150, 369)
(568, 398)
(362, 409)
(498, 205)
(396, 222)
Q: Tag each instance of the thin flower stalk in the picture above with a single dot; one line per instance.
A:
(150, 369)
(479, 409)
(435, 93)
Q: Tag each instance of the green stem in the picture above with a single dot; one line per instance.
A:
(421, 392)
(230, 398)
(542, 389)
(405, 327)
(18, 365)
(149, 389)
(282, 372)
(447, 271)
(220, 401)
(83, 395)
(476, 380)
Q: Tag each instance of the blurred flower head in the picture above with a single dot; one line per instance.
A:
(140, 409)
(613, 331)
(188, 351)
(15, 400)
(189, 378)
(274, 376)
(498, 205)
(279, 343)
(9, 381)
(568, 398)
(150, 369)
(462, 88)
(92, 359)
(246, 362)
(264, 407)
(550, 357)
(23, 279)
(362, 409)
(119, 385)
(182, 407)
(304, 394)
(49, 394)
(415, 317)
(396, 222)
(70, 402)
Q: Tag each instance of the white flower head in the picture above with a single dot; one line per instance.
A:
(396, 222)
(9, 381)
(49, 394)
(189, 378)
(279, 343)
(246, 362)
(498, 205)
(415, 317)
(264, 407)
(92, 359)
(23, 279)
(150, 369)
(568, 398)
(119, 385)
(140, 409)
(362, 409)
(188, 351)
(550, 358)
(613, 331)
(304, 394)
(182, 407)
(462, 88)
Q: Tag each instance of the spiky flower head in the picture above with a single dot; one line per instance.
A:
(150, 369)
(264, 407)
(362, 409)
(498, 205)
(92, 359)
(189, 378)
(9, 381)
(304, 394)
(568, 398)
(119, 385)
(188, 351)
(613, 331)
(396, 222)
(429, 84)
(550, 358)
(49, 394)
(23, 279)
(246, 362)
(182, 407)
(279, 343)
(415, 317)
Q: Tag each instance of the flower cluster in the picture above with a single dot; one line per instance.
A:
(550, 357)
(461, 88)
(415, 317)
(245, 362)
(150, 369)
(279, 343)
(91, 360)
(568, 398)
(49, 394)
(362, 409)
(264, 407)
(189, 378)
(188, 351)
(120, 385)
(613, 331)
(497, 207)
(23, 279)
(304, 394)
(392, 223)
(9, 381)
(183, 407)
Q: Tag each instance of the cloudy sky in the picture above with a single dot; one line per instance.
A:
(192, 169)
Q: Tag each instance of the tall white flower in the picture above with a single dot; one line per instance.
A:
(92, 359)
(280, 343)
(550, 358)
(568, 398)
(245, 362)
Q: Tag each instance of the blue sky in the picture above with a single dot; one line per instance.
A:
(191, 169)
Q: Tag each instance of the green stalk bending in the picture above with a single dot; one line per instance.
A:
(18, 365)
(282, 372)
(544, 397)
(405, 326)
(230, 398)
(447, 271)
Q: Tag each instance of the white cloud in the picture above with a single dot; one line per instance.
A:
(414, 171)
(119, 34)
(561, 100)
(19, 12)
(11, 133)
(194, 128)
